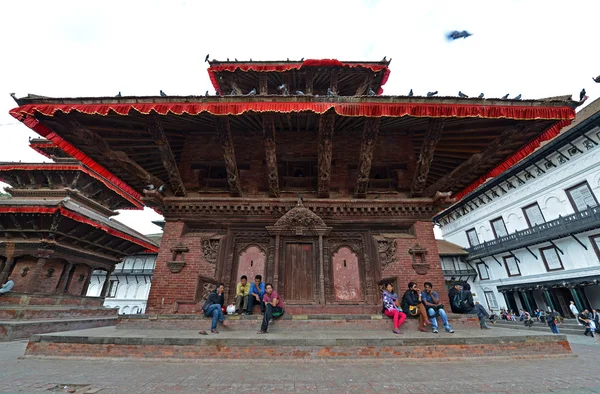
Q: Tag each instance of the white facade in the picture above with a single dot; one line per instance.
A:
(129, 284)
(556, 268)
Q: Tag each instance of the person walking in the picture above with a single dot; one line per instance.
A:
(575, 312)
(551, 320)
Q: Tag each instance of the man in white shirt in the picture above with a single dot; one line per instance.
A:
(575, 312)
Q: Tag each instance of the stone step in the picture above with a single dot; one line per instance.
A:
(22, 329)
(109, 342)
(37, 312)
(572, 329)
(285, 322)
(49, 299)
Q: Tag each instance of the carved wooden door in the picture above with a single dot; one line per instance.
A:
(297, 274)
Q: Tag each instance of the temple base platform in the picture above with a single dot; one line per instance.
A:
(295, 338)
(23, 315)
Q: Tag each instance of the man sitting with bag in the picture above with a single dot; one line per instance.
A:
(431, 300)
(413, 306)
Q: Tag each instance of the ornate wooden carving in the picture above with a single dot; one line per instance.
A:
(371, 130)
(310, 76)
(271, 154)
(432, 137)
(364, 87)
(210, 250)
(475, 162)
(93, 142)
(334, 82)
(233, 176)
(326, 127)
(419, 263)
(386, 249)
(262, 84)
(166, 155)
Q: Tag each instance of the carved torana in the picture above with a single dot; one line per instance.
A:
(431, 138)
(386, 249)
(271, 154)
(371, 130)
(210, 250)
(166, 155)
(326, 127)
(233, 176)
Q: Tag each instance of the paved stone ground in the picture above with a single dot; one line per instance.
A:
(579, 374)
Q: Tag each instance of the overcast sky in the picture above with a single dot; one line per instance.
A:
(98, 48)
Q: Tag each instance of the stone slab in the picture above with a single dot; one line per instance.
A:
(22, 329)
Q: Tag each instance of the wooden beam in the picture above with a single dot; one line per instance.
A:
(432, 137)
(371, 130)
(233, 176)
(262, 84)
(93, 142)
(334, 82)
(271, 154)
(166, 156)
(325, 138)
(364, 87)
(473, 165)
(310, 76)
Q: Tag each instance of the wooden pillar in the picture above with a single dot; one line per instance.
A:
(326, 127)
(276, 267)
(233, 176)
(309, 83)
(430, 140)
(371, 130)
(8, 266)
(86, 284)
(271, 154)
(576, 298)
(166, 155)
(43, 256)
(321, 274)
(262, 84)
(63, 283)
(106, 284)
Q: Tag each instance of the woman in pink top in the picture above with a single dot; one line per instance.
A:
(273, 307)
(391, 307)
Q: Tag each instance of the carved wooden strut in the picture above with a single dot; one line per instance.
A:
(166, 156)
(371, 131)
(271, 154)
(326, 127)
(233, 176)
(432, 137)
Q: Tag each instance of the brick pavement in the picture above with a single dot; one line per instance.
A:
(567, 375)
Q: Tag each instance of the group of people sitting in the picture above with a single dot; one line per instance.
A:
(246, 296)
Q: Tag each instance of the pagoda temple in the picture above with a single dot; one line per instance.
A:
(55, 230)
(302, 171)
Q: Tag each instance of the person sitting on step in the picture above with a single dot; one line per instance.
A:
(241, 295)
(413, 305)
(257, 292)
(214, 307)
(463, 303)
(391, 307)
(432, 303)
(273, 307)
(7, 287)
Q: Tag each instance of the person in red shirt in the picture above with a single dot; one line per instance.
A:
(273, 307)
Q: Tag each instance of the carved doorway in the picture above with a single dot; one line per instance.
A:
(298, 273)
(251, 263)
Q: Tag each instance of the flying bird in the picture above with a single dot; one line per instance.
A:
(517, 97)
(462, 95)
(455, 35)
(505, 96)
(480, 96)
(162, 188)
(410, 94)
(118, 94)
(252, 92)
(371, 92)
(206, 58)
(597, 79)
(582, 94)
(431, 94)
(299, 93)
(163, 94)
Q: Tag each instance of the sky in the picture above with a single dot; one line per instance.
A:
(99, 48)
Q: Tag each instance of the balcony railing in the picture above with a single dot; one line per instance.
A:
(554, 229)
(466, 272)
(127, 271)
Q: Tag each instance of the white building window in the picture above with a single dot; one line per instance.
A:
(551, 259)
(499, 228)
(512, 268)
(581, 197)
(533, 215)
(595, 240)
(483, 271)
(112, 289)
(472, 237)
(491, 300)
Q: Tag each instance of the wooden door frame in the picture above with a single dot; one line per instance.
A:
(314, 242)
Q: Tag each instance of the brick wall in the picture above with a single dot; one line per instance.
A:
(403, 269)
(76, 286)
(45, 284)
(168, 287)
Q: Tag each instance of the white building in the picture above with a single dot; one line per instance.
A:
(533, 232)
(129, 284)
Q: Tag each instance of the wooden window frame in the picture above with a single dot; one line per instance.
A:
(469, 238)
(486, 270)
(506, 266)
(524, 209)
(594, 245)
(494, 230)
(487, 301)
(562, 266)
(568, 193)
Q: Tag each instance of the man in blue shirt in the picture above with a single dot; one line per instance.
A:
(257, 291)
(431, 300)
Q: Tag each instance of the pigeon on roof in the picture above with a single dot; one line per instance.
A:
(462, 95)
(410, 94)
(431, 94)
(582, 94)
(252, 92)
(517, 97)
(505, 96)
(163, 94)
(206, 58)
(480, 95)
